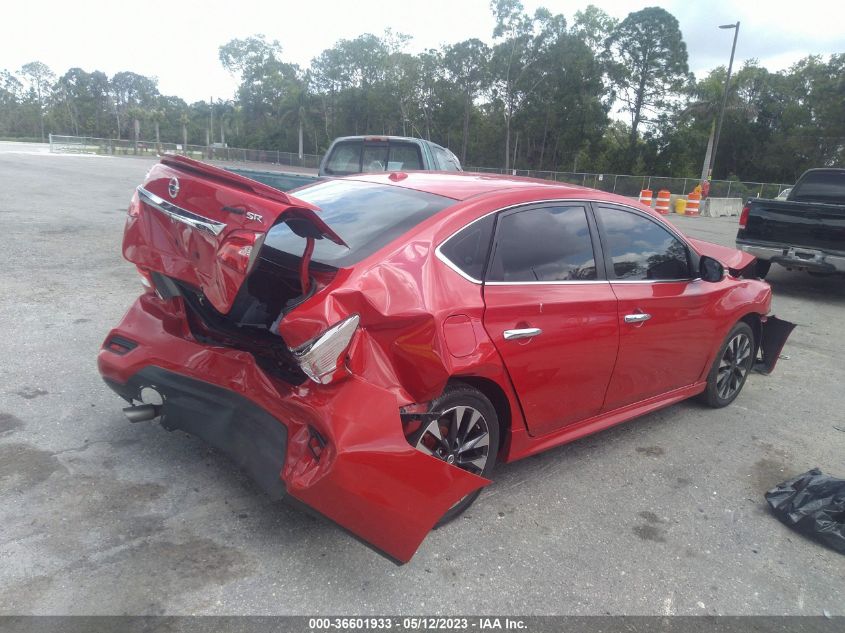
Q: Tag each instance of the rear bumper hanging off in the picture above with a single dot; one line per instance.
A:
(234, 425)
(362, 473)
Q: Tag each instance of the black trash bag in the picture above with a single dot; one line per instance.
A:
(813, 504)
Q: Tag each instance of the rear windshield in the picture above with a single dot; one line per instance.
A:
(825, 186)
(353, 157)
(367, 216)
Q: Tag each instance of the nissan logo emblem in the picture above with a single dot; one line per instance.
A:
(173, 187)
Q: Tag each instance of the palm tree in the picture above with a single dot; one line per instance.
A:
(298, 107)
(183, 119)
(708, 95)
(156, 115)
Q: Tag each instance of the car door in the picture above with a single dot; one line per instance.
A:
(551, 313)
(665, 334)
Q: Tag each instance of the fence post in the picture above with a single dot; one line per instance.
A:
(685, 187)
(615, 178)
(728, 195)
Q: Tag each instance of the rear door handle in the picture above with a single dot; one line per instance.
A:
(639, 317)
(527, 332)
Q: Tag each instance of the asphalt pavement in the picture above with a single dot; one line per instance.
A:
(662, 515)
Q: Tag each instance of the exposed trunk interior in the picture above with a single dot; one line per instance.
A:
(272, 289)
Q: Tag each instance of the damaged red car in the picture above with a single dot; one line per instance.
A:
(372, 346)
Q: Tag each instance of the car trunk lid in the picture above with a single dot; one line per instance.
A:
(203, 226)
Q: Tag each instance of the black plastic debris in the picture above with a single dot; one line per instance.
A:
(813, 504)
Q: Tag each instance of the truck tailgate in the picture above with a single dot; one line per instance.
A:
(812, 225)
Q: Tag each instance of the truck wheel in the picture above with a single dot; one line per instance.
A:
(761, 268)
(466, 435)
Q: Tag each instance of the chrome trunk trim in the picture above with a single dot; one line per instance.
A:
(179, 214)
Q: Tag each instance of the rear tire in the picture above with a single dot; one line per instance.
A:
(761, 268)
(731, 367)
(466, 435)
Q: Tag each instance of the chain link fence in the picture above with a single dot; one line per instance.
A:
(627, 185)
(126, 147)
(621, 184)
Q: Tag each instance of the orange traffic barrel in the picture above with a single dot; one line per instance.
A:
(693, 201)
(645, 197)
(662, 205)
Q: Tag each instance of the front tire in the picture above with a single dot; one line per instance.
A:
(731, 368)
(466, 435)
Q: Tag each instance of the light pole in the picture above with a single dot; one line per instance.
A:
(735, 27)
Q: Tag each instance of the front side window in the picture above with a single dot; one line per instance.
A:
(641, 249)
(546, 244)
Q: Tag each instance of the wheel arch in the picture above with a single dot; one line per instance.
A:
(498, 398)
(754, 321)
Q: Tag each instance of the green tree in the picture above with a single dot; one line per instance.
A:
(517, 61)
(132, 94)
(11, 97)
(468, 66)
(40, 79)
(593, 26)
(649, 66)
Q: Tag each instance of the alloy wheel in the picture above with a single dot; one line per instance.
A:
(734, 365)
(460, 436)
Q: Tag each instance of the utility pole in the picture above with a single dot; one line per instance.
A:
(735, 27)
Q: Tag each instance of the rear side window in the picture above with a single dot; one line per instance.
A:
(825, 186)
(345, 158)
(641, 249)
(546, 244)
(467, 249)
(404, 156)
(367, 216)
(446, 159)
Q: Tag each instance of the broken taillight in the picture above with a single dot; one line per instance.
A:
(743, 216)
(322, 357)
(134, 206)
(146, 279)
(240, 250)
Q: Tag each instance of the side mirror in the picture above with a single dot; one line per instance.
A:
(710, 269)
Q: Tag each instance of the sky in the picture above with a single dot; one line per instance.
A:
(177, 40)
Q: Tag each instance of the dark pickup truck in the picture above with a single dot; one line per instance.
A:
(804, 232)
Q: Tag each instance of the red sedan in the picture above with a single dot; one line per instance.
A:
(372, 346)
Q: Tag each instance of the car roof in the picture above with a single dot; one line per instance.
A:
(382, 137)
(464, 185)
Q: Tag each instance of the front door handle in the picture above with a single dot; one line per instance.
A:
(639, 317)
(527, 332)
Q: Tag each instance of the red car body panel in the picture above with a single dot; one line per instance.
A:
(562, 377)
(422, 325)
(246, 209)
(371, 481)
(731, 258)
